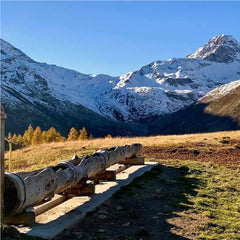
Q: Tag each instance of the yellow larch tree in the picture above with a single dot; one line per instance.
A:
(27, 136)
(19, 140)
(73, 135)
(83, 134)
(52, 135)
(37, 136)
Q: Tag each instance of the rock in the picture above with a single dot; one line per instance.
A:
(101, 216)
(158, 190)
(79, 237)
(68, 234)
(142, 232)
(119, 208)
(126, 225)
(103, 212)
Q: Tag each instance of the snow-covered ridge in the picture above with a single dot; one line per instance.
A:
(159, 88)
(221, 91)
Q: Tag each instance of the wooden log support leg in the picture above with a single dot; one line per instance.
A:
(86, 190)
(135, 160)
(105, 175)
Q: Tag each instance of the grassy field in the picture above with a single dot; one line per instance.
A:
(194, 193)
(212, 206)
(43, 155)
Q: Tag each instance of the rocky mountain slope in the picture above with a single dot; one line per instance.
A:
(218, 110)
(46, 94)
(224, 101)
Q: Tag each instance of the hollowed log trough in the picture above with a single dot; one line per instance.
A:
(21, 193)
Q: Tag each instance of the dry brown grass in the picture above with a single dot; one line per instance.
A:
(43, 155)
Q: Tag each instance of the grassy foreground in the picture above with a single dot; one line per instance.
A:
(212, 206)
(202, 191)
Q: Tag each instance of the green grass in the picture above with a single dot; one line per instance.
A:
(216, 199)
(208, 194)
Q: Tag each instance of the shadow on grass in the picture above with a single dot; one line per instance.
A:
(139, 210)
(154, 198)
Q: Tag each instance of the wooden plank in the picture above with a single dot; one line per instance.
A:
(117, 168)
(57, 199)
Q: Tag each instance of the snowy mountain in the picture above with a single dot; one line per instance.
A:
(164, 87)
(48, 95)
(218, 110)
(222, 48)
(65, 97)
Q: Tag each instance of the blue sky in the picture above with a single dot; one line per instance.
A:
(114, 37)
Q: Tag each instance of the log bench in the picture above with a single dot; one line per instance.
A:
(29, 196)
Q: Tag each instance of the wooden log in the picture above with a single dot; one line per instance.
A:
(41, 187)
(80, 184)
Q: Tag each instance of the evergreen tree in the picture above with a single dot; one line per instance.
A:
(73, 134)
(83, 134)
(37, 136)
(27, 136)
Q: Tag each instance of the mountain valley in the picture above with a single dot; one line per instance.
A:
(172, 96)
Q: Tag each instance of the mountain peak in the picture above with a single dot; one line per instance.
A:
(222, 48)
(8, 51)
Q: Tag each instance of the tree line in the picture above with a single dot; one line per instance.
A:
(36, 136)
